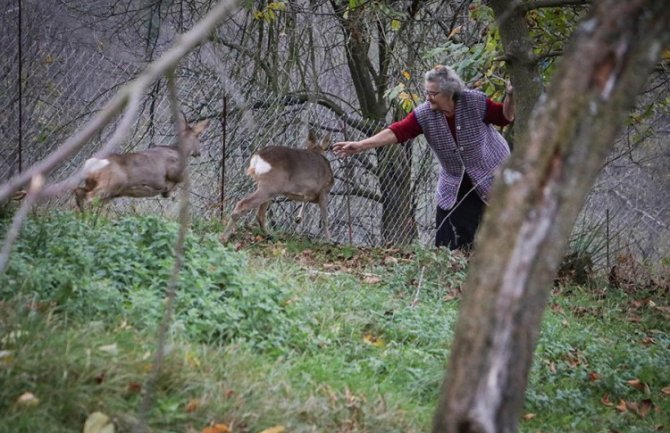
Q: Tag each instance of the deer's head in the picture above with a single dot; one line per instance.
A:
(190, 135)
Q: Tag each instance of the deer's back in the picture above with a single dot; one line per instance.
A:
(288, 168)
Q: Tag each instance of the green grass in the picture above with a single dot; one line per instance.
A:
(288, 332)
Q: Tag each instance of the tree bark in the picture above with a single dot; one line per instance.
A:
(535, 203)
(519, 60)
(393, 169)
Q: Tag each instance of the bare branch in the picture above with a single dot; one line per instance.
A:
(19, 217)
(155, 70)
(171, 290)
(539, 4)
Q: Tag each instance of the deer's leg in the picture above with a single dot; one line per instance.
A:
(253, 200)
(323, 205)
(260, 215)
(80, 197)
(302, 209)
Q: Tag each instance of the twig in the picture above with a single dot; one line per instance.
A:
(418, 289)
(155, 70)
(171, 290)
(19, 217)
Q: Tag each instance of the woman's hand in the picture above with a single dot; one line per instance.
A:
(347, 148)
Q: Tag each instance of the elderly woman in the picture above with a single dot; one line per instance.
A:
(458, 125)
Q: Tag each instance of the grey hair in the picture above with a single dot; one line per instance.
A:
(446, 78)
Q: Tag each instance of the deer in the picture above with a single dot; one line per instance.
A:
(147, 173)
(302, 175)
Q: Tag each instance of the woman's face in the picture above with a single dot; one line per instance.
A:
(439, 100)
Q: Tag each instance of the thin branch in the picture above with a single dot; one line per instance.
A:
(155, 70)
(171, 290)
(540, 4)
(19, 217)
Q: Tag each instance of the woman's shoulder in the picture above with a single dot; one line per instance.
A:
(474, 94)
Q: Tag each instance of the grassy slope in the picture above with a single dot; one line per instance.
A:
(307, 336)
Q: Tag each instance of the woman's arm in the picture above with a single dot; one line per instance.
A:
(508, 103)
(382, 138)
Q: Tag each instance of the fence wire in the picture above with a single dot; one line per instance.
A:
(52, 86)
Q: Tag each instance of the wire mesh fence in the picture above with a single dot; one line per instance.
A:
(51, 87)
(63, 85)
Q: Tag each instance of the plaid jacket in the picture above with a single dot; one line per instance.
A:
(480, 150)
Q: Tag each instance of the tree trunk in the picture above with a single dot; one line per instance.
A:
(520, 62)
(394, 168)
(534, 207)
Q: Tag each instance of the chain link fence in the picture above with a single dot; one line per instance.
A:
(52, 86)
(63, 84)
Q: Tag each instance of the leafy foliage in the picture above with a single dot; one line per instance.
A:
(340, 338)
(99, 270)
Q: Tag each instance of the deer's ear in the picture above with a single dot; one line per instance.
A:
(181, 121)
(311, 139)
(200, 126)
(326, 141)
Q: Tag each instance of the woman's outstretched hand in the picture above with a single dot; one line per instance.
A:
(346, 148)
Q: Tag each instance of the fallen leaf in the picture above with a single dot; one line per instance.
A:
(28, 399)
(529, 416)
(639, 385)
(646, 406)
(605, 399)
(622, 406)
(216, 428)
(275, 429)
(98, 422)
(192, 405)
(593, 376)
(373, 340)
(6, 357)
(371, 279)
(134, 387)
(648, 341)
(454, 32)
(112, 349)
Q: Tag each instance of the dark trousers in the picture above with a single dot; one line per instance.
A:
(456, 227)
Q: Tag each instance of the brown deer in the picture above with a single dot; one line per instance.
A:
(157, 170)
(298, 174)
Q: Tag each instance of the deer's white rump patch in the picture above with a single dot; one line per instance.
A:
(94, 164)
(258, 165)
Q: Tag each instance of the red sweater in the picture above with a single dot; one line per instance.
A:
(408, 128)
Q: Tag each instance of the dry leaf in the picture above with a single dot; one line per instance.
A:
(665, 391)
(134, 387)
(621, 407)
(593, 376)
(639, 385)
(192, 405)
(371, 279)
(529, 416)
(28, 399)
(98, 422)
(275, 429)
(605, 400)
(454, 32)
(374, 340)
(648, 341)
(216, 428)
(112, 349)
(645, 407)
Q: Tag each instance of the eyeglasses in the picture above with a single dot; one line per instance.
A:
(430, 93)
